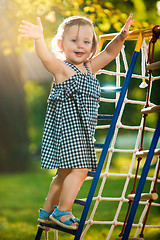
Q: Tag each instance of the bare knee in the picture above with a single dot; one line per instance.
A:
(63, 173)
(80, 172)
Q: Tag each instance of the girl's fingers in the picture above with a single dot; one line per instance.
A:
(39, 23)
(27, 23)
(38, 20)
(126, 27)
(24, 27)
(129, 21)
(132, 21)
(25, 35)
(30, 30)
(22, 30)
(129, 18)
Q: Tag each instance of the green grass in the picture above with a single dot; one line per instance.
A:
(21, 195)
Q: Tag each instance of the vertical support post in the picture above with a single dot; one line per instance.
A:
(142, 182)
(108, 138)
(39, 234)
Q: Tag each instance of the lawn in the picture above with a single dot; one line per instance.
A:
(21, 195)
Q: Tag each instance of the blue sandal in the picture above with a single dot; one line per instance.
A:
(56, 215)
(44, 216)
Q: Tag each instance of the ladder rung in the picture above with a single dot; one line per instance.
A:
(153, 66)
(43, 227)
(99, 145)
(144, 196)
(79, 202)
(57, 227)
(111, 89)
(153, 109)
(145, 152)
(119, 238)
(101, 116)
(91, 174)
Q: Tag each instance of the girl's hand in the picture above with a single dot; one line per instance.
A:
(30, 30)
(125, 30)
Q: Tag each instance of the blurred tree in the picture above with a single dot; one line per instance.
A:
(107, 15)
(13, 124)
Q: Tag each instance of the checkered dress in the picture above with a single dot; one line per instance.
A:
(70, 123)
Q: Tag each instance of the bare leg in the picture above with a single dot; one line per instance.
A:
(55, 189)
(70, 189)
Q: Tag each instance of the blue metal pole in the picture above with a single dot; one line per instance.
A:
(106, 145)
(142, 182)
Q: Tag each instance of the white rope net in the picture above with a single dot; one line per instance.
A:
(106, 174)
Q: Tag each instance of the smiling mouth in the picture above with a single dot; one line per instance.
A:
(79, 54)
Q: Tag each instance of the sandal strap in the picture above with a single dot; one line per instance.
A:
(44, 214)
(76, 220)
(57, 213)
(70, 221)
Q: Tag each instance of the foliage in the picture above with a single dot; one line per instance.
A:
(107, 16)
(36, 95)
(13, 124)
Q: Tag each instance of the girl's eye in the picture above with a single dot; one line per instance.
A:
(86, 42)
(73, 40)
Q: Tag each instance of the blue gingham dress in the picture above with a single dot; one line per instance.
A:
(70, 122)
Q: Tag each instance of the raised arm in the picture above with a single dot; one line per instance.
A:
(112, 49)
(35, 32)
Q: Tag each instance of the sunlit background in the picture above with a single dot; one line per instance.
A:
(24, 88)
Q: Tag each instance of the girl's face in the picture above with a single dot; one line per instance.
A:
(77, 43)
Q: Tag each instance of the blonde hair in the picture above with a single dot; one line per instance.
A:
(64, 26)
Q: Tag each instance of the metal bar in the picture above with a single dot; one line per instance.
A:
(111, 89)
(133, 35)
(79, 202)
(39, 234)
(99, 145)
(57, 227)
(106, 117)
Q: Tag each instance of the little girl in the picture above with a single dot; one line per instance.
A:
(71, 116)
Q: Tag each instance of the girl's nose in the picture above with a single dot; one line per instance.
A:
(79, 44)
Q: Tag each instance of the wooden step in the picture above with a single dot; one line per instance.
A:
(153, 66)
(144, 153)
(144, 196)
(153, 109)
